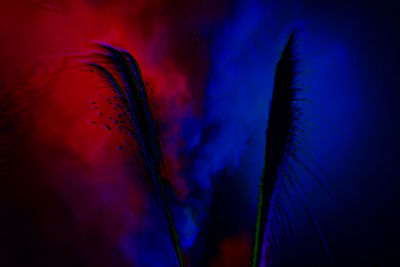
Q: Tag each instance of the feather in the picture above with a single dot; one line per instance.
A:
(284, 113)
(134, 100)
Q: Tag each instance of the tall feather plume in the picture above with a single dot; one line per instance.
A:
(128, 84)
(283, 141)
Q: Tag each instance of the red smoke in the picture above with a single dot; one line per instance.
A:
(67, 190)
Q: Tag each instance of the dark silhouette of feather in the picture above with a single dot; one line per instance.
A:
(133, 97)
(282, 116)
(281, 145)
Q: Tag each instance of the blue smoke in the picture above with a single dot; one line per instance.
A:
(231, 133)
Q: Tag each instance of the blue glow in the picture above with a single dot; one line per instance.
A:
(245, 50)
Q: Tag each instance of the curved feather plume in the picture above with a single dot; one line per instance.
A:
(133, 97)
(281, 144)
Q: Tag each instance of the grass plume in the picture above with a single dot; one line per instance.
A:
(128, 83)
(281, 145)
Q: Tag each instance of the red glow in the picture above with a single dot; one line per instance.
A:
(234, 252)
(57, 154)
